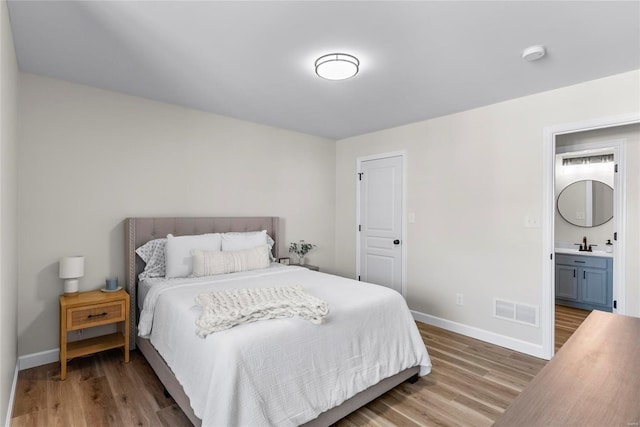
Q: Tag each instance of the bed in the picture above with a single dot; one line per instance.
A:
(276, 372)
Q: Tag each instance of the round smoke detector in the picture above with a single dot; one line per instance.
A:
(533, 53)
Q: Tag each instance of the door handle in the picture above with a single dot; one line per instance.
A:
(396, 242)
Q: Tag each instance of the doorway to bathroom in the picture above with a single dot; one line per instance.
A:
(586, 171)
(588, 210)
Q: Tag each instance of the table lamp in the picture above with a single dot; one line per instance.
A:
(71, 269)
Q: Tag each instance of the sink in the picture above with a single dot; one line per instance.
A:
(573, 251)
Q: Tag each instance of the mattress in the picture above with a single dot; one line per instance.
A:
(144, 286)
(282, 372)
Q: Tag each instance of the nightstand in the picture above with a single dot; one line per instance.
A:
(309, 266)
(87, 310)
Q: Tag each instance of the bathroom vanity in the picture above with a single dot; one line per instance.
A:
(584, 280)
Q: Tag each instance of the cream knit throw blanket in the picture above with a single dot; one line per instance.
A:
(228, 308)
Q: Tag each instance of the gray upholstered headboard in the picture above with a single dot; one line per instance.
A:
(139, 231)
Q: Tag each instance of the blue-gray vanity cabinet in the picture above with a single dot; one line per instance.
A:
(584, 281)
(566, 282)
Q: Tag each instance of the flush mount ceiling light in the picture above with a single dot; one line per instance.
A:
(337, 66)
(533, 53)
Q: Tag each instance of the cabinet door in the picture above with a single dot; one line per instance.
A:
(594, 286)
(566, 282)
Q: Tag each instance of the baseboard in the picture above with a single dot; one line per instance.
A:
(12, 395)
(38, 359)
(481, 334)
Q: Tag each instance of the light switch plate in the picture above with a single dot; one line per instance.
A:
(531, 221)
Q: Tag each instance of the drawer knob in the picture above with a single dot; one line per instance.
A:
(96, 315)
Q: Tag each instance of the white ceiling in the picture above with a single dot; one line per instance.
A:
(254, 60)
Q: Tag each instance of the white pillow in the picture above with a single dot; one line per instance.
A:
(178, 253)
(210, 263)
(153, 253)
(235, 241)
(241, 241)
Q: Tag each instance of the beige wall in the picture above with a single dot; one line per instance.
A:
(473, 177)
(90, 158)
(8, 210)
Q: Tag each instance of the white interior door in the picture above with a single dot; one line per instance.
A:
(381, 221)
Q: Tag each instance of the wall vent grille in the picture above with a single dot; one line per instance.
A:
(516, 312)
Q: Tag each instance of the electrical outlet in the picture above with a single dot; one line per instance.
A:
(79, 333)
(459, 299)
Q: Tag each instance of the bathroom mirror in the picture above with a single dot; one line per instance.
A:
(586, 203)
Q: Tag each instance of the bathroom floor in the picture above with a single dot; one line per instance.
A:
(568, 319)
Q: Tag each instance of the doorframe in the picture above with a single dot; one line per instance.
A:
(548, 215)
(359, 160)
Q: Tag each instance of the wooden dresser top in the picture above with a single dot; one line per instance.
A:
(593, 380)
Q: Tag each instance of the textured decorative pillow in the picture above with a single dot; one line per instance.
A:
(152, 253)
(178, 252)
(236, 241)
(210, 263)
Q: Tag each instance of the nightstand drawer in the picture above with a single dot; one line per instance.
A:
(95, 315)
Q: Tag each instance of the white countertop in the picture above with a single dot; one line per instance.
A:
(602, 254)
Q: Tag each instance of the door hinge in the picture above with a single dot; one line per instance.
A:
(359, 227)
(615, 236)
(615, 303)
(360, 176)
(615, 168)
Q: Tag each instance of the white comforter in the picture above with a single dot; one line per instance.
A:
(282, 372)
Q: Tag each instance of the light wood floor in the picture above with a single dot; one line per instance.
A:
(471, 383)
(568, 319)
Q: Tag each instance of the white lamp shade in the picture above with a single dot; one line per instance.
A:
(72, 267)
